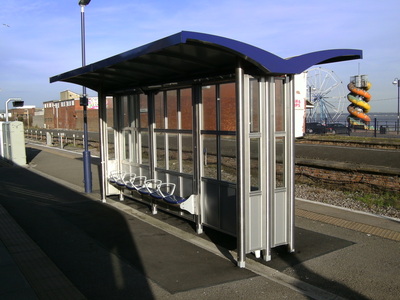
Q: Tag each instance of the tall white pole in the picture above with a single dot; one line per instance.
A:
(7, 109)
(11, 99)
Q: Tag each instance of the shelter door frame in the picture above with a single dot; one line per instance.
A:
(265, 196)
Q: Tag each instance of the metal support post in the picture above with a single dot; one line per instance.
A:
(87, 172)
(241, 251)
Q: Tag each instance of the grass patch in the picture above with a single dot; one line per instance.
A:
(346, 138)
(367, 194)
(383, 199)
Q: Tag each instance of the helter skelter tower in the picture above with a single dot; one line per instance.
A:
(359, 98)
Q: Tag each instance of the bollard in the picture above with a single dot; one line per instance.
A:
(61, 140)
(49, 139)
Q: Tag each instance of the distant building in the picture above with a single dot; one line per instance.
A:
(38, 118)
(30, 115)
(67, 113)
(24, 114)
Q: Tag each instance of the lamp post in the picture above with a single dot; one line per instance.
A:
(17, 102)
(87, 173)
(397, 81)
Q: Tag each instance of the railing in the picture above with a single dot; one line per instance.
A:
(379, 128)
(376, 128)
(62, 138)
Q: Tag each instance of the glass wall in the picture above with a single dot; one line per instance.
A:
(280, 133)
(134, 129)
(185, 117)
(219, 132)
(171, 139)
(255, 133)
(173, 119)
(280, 162)
(143, 132)
(127, 122)
(280, 120)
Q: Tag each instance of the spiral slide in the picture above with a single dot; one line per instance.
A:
(359, 107)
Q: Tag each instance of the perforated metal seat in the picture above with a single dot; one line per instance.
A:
(150, 186)
(136, 183)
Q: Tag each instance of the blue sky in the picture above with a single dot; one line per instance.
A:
(41, 38)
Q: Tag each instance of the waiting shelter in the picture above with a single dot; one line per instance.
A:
(203, 128)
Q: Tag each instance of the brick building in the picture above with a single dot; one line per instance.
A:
(24, 114)
(67, 113)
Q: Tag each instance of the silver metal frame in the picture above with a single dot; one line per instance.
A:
(256, 218)
(103, 144)
(242, 145)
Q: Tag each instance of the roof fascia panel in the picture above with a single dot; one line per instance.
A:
(266, 62)
(301, 63)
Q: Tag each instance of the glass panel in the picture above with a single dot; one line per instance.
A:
(135, 147)
(127, 143)
(111, 142)
(172, 109)
(187, 154)
(209, 108)
(228, 158)
(186, 109)
(145, 147)
(173, 152)
(279, 105)
(228, 107)
(131, 110)
(125, 111)
(280, 162)
(255, 164)
(159, 110)
(143, 111)
(110, 111)
(210, 155)
(160, 140)
(254, 106)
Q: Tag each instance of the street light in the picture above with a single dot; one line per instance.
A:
(17, 102)
(397, 81)
(87, 173)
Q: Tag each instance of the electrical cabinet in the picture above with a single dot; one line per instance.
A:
(12, 141)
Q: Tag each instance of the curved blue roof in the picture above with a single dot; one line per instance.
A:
(191, 55)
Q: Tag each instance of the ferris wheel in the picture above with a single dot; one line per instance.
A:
(326, 95)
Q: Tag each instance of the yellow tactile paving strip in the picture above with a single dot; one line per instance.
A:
(365, 228)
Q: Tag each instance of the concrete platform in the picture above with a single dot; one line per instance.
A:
(59, 243)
